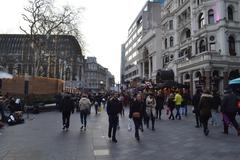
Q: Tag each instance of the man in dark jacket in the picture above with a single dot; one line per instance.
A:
(113, 109)
(159, 106)
(66, 108)
(205, 105)
(229, 110)
(195, 102)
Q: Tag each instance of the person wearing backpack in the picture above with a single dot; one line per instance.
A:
(84, 107)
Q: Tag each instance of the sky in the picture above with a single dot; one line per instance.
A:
(104, 24)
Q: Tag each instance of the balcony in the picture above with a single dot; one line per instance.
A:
(206, 57)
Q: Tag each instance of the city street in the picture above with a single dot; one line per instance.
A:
(42, 138)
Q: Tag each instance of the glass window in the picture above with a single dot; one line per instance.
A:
(211, 16)
(171, 24)
(200, 21)
(202, 46)
(166, 43)
(188, 33)
(230, 13)
(231, 42)
(171, 41)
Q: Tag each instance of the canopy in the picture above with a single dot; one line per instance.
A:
(5, 75)
(171, 84)
(235, 81)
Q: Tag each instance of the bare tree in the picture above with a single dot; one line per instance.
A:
(45, 20)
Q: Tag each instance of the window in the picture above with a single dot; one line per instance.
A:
(200, 21)
(230, 13)
(170, 24)
(231, 42)
(166, 43)
(211, 16)
(171, 41)
(202, 46)
(188, 33)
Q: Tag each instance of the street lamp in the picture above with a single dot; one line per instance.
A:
(101, 85)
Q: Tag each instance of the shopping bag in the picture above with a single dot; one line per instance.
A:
(129, 125)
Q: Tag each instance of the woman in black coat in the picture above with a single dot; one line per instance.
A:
(136, 113)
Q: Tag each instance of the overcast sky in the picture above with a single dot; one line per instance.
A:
(104, 24)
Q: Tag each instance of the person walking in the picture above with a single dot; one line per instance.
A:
(178, 103)
(195, 102)
(205, 104)
(136, 113)
(159, 106)
(113, 109)
(151, 110)
(171, 106)
(229, 110)
(84, 107)
(215, 108)
(67, 108)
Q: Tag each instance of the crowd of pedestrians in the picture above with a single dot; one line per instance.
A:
(145, 107)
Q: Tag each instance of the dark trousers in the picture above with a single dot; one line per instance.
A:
(178, 115)
(171, 115)
(158, 113)
(137, 123)
(66, 118)
(96, 109)
(197, 116)
(204, 120)
(2, 114)
(113, 122)
(232, 119)
(152, 119)
(83, 117)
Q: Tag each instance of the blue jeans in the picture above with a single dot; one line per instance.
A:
(178, 115)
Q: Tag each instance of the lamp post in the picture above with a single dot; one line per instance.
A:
(101, 85)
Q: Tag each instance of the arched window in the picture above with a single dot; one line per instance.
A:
(230, 13)
(202, 46)
(171, 41)
(166, 43)
(188, 33)
(211, 16)
(200, 21)
(231, 42)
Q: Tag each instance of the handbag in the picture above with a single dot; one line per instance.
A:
(136, 115)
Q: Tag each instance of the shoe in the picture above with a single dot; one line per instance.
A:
(64, 127)
(85, 128)
(137, 138)
(109, 136)
(206, 132)
(114, 140)
(81, 127)
(197, 126)
(153, 129)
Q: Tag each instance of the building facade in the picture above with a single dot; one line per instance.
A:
(97, 78)
(199, 40)
(55, 56)
(139, 58)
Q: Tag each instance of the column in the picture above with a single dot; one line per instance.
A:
(191, 83)
(207, 73)
(225, 78)
(149, 68)
(143, 70)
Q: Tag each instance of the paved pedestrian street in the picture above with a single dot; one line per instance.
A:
(42, 138)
